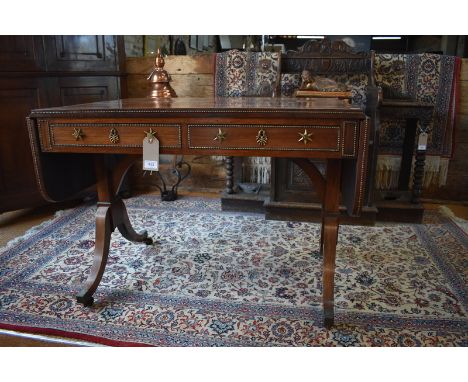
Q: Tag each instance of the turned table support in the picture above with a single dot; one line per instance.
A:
(111, 214)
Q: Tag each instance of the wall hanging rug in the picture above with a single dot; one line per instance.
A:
(230, 279)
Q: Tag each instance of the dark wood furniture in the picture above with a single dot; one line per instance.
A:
(291, 195)
(403, 204)
(294, 128)
(45, 71)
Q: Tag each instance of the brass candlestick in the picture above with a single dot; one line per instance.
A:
(160, 79)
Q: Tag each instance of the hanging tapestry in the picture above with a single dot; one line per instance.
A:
(243, 74)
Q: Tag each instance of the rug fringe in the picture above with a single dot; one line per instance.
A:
(460, 222)
(388, 172)
(32, 231)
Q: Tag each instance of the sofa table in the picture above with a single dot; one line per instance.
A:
(112, 133)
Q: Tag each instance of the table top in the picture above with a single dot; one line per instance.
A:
(211, 104)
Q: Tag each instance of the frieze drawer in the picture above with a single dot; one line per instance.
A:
(264, 137)
(57, 134)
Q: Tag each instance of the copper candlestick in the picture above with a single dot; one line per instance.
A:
(160, 80)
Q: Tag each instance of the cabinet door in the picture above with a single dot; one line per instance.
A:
(75, 90)
(18, 187)
(21, 53)
(81, 53)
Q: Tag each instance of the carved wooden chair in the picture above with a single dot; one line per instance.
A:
(335, 60)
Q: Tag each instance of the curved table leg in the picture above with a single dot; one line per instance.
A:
(101, 251)
(120, 215)
(111, 214)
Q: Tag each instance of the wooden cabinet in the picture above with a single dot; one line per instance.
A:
(21, 53)
(47, 71)
(17, 180)
(81, 53)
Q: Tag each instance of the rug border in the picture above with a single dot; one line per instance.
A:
(67, 335)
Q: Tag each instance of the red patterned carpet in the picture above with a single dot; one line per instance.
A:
(223, 279)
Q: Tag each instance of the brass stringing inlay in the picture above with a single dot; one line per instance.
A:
(262, 137)
(221, 136)
(305, 137)
(114, 136)
(150, 135)
(77, 134)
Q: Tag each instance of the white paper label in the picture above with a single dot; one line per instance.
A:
(151, 165)
(151, 155)
(422, 141)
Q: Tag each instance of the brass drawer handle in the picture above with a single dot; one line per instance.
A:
(221, 136)
(77, 134)
(305, 137)
(262, 138)
(114, 136)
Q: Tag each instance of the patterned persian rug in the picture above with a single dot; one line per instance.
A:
(224, 279)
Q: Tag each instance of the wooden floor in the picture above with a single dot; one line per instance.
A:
(15, 224)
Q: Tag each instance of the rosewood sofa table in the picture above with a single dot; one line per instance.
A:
(112, 133)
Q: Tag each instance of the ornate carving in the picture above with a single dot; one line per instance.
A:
(318, 83)
(324, 57)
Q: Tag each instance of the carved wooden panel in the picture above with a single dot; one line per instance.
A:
(326, 57)
(81, 53)
(291, 184)
(19, 53)
(75, 90)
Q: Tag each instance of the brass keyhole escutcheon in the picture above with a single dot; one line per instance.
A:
(262, 138)
(77, 134)
(114, 136)
(221, 136)
(305, 137)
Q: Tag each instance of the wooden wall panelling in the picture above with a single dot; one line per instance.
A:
(81, 53)
(192, 76)
(18, 187)
(21, 53)
(74, 90)
(45, 71)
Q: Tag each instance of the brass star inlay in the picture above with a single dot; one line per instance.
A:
(150, 135)
(305, 137)
(77, 134)
(221, 136)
